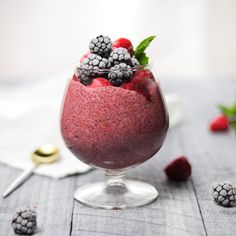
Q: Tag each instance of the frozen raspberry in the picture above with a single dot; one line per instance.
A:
(179, 169)
(145, 73)
(224, 194)
(99, 82)
(142, 83)
(124, 43)
(25, 221)
(219, 123)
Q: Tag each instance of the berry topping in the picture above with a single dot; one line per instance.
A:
(124, 43)
(90, 68)
(219, 123)
(99, 82)
(119, 74)
(224, 194)
(134, 61)
(95, 62)
(84, 75)
(145, 73)
(25, 221)
(141, 82)
(119, 55)
(179, 169)
(101, 45)
(84, 57)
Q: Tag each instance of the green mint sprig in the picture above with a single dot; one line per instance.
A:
(139, 52)
(230, 112)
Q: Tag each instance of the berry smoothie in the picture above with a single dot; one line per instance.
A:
(114, 127)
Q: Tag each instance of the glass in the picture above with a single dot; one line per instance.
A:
(115, 129)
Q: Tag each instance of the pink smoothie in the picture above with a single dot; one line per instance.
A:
(112, 127)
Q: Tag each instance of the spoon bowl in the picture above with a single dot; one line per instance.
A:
(47, 153)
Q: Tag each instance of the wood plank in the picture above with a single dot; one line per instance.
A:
(53, 199)
(175, 212)
(213, 155)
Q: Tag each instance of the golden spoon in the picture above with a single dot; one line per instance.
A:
(45, 154)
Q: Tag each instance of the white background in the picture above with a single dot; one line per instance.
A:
(195, 38)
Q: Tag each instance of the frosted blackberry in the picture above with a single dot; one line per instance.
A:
(90, 67)
(84, 75)
(119, 74)
(134, 61)
(95, 62)
(224, 194)
(25, 221)
(119, 55)
(101, 45)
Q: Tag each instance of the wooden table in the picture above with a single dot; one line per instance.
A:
(181, 209)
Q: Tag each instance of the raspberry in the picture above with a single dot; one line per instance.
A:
(219, 123)
(124, 43)
(179, 169)
(142, 83)
(99, 82)
(145, 73)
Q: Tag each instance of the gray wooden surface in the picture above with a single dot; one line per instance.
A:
(181, 209)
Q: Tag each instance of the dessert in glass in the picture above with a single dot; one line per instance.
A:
(114, 118)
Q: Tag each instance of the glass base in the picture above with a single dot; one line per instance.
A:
(119, 194)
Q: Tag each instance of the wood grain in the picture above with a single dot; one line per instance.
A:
(52, 198)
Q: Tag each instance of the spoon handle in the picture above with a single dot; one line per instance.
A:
(19, 180)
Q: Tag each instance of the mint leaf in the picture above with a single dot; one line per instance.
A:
(143, 59)
(230, 112)
(139, 52)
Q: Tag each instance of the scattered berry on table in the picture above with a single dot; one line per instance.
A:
(219, 123)
(25, 221)
(179, 169)
(101, 45)
(224, 194)
(119, 74)
(119, 55)
(124, 43)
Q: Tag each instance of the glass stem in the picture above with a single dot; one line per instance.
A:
(115, 178)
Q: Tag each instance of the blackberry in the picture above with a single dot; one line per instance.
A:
(224, 194)
(84, 75)
(135, 62)
(90, 67)
(101, 45)
(25, 221)
(119, 55)
(119, 74)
